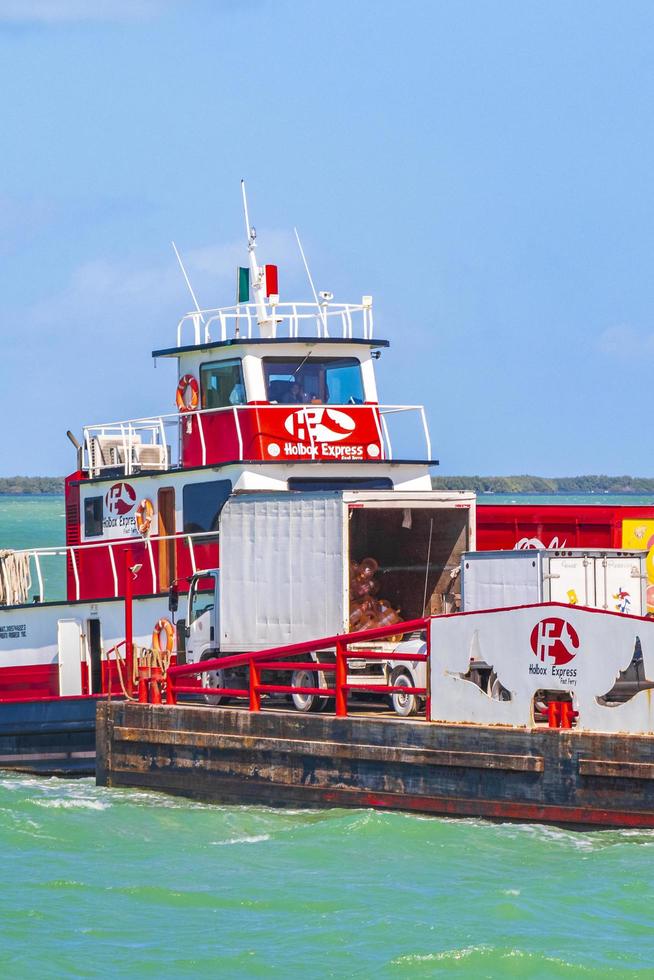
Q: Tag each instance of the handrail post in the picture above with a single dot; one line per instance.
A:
(425, 427)
(340, 681)
(255, 680)
(39, 576)
(428, 671)
(239, 436)
(129, 648)
(203, 444)
(75, 572)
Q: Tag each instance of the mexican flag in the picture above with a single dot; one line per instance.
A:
(242, 285)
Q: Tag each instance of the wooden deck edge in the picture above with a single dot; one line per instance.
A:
(350, 750)
(616, 770)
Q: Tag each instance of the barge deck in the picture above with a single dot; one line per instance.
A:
(562, 732)
(282, 758)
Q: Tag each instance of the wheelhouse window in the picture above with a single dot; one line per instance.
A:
(222, 384)
(93, 514)
(202, 504)
(313, 380)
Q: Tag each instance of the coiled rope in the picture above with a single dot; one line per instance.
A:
(15, 578)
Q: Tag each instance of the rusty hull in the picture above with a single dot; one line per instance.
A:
(282, 758)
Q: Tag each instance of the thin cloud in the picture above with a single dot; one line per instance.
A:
(103, 291)
(76, 11)
(623, 341)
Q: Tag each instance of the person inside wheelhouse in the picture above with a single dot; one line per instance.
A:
(313, 380)
(222, 384)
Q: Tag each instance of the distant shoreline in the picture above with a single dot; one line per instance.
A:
(626, 485)
(46, 486)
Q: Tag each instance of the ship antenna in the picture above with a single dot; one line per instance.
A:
(255, 272)
(188, 281)
(309, 277)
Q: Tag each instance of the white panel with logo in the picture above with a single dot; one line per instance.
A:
(584, 654)
(571, 580)
(619, 585)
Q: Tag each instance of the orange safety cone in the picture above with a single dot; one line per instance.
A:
(156, 675)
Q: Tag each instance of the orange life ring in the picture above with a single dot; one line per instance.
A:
(144, 514)
(188, 383)
(163, 626)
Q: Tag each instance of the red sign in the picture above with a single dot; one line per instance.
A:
(322, 433)
(554, 638)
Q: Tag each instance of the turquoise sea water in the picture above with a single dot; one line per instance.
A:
(31, 522)
(116, 883)
(36, 522)
(104, 883)
(593, 499)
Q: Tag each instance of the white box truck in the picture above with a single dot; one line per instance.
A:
(288, 564)
(611, 580)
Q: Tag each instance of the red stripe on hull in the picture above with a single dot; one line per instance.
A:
(492, 809)
(34, 681)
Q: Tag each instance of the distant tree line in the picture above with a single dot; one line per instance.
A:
(541, 484)
(480, 484)
(31, 484)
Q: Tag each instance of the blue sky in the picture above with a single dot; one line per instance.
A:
(484, 169)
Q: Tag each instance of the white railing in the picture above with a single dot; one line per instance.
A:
(346, 321)
(132, 445)
(38, 555)
(154, 443)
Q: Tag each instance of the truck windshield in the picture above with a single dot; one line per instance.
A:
(313, 380)
(201, 602)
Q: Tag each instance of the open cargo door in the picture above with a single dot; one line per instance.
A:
(417, 548)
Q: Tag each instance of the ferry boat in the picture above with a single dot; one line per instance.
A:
(272, 398)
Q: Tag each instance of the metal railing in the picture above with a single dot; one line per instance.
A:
(281, 659)
(112, 548)
(134, 445)
(324, 320)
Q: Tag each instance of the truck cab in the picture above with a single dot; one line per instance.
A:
(202, 613)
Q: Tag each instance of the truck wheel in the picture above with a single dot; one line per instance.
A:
(214, 678)
(306, 702)
(403, 704)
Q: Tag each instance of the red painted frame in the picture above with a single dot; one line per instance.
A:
(265, 660)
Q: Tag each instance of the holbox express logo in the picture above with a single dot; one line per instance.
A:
(120, 498)
(321, 424)
(554, 638)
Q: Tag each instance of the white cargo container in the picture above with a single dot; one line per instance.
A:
(612, 580)
(285, 559)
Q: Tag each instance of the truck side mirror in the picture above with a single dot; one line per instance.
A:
(173, 598)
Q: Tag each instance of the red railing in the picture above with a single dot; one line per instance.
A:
(277, 658)
(114, 681)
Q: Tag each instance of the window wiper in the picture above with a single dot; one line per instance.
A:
(301, 364)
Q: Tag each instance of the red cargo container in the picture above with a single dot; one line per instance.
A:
(502, 526)
(510, 526)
